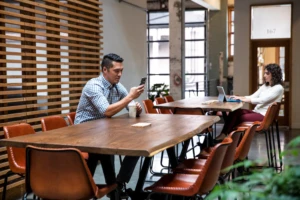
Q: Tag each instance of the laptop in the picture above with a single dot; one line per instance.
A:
(222, 96)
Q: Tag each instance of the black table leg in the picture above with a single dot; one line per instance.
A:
(184, 150)
(143, 175)
(172, 157)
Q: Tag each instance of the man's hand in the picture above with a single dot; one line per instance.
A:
(139, 109)
(135, 92)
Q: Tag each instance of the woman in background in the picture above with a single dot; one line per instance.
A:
(271, 91)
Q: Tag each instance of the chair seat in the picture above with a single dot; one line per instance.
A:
(190, 166)
(105, 189)
(177, 184)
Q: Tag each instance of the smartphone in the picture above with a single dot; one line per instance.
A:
(143, 81)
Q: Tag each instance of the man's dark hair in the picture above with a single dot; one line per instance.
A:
(108, 59)
(276, 73)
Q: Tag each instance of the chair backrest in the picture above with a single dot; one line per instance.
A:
(16, 156)
(148, 105)
(53, 122)
(211, 170)
(243, 148)
(58, 174)
(168, 98)
(188, 111)
(160, 100)
(71, 117)
(229, 156)
(270, 116)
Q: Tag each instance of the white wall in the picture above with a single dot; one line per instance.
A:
(242, 54)
(124, 33)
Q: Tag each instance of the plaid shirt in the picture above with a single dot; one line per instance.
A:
(96, 96)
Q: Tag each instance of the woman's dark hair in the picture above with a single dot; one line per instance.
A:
(108, 59)
(276, 73)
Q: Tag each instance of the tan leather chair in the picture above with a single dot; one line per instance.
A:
(193, 184)
(16, 156)
(61, 174)
(168, 98)
(55, 122)
(264, 127)
(160, 100)
(194, 166)
(71, 117)
(148, 105)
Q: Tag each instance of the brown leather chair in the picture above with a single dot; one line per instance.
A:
(16, 156)
(168, 98)
(193, 184)
(71, 117)
(264, 127)
(148, 105)
(61, 174)
(55, 122)
(160, 100)
(194, 166)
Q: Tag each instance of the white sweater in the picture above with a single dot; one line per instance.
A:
(265, 96)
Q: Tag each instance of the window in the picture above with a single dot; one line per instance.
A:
(195, 51)
(230, 33)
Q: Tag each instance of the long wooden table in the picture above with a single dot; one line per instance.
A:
(206, 103)
(116, 136)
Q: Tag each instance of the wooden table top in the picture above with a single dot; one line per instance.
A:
(206, 103)
(117, 136)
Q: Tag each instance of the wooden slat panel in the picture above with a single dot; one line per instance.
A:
(49, 28)
(9, 116)
(59, 10)
(90, 12)
(50, 56)
(58, 103)
(69, 30)
(34, 11)
(86, 5)
(15, 184)
(45, 69)
(50, 21)
(46, 76)
(16, 30)
(41, 83)
(83, 52)
(40, 90)
(11, 100)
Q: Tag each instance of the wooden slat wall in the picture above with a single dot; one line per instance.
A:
(48, 50)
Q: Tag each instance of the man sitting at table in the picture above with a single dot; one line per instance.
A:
(103, 97)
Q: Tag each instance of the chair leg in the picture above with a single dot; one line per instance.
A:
(278, 145)
(274, 149)
(270, 147)
(267, 144)
(5, 184)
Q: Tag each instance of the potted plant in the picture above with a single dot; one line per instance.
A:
(158, 90)
(266, 183)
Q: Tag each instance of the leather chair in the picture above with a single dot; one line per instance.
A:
(61, 174)
(168, 98)
(55, 122)
(16, 156)
(193, 184)
(264, 127)
(160, 100)
(194, 166)
(148, 105)
(71, 117)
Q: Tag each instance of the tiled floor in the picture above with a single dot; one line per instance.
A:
(258, 151)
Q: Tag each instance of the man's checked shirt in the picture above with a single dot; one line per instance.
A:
(96, 96)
